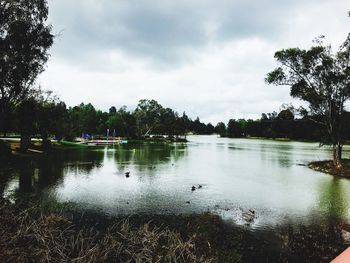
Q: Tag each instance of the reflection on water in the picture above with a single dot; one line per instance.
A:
(269, 177)
(334, 199)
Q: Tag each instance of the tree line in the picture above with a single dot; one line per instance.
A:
(45, 115)
(279, 125)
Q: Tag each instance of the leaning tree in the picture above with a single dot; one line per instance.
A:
(25, 39)
(322, 79)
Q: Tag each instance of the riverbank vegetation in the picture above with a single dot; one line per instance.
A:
(32, 233)
(31, 236)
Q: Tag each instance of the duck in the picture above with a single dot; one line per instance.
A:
(200, 186)
(249, 216)
(193, 188)
(127, 174)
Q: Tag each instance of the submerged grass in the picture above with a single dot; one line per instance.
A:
(61, 233)
(31, 236)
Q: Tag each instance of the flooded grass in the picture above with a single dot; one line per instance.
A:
(33, 236)
(53, 234)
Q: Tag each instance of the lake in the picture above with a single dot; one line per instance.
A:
(267, 176)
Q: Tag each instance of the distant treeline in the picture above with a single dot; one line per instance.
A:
(281, 125)
(45, 116)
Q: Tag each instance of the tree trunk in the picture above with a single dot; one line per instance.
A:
(46, 143)
(2, 121)
(26, 173)
(25, 142)
(337, 155)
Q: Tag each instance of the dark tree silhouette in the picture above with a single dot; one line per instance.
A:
(24, 42)
(322, 79)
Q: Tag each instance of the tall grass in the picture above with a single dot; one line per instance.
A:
(27, 236)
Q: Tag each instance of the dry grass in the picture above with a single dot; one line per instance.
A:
(35, 237)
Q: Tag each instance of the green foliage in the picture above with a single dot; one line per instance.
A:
(322, 79)
(45, 115)
(148, 116)
(24, 43)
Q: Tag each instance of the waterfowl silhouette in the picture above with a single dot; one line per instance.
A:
(249, 216)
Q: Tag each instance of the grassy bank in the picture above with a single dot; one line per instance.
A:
(329, 168)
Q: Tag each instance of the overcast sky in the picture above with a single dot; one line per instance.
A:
(206, 57)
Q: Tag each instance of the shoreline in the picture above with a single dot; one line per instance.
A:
(188, 238)
(327, 167)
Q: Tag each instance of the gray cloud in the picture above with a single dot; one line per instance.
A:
(205, 57)
(163, 31)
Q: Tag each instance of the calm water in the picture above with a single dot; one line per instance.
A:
(236, 174)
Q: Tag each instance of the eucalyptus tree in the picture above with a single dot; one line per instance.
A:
(25, 39)
(148, 116)
(322, 79)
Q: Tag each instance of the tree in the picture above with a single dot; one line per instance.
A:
(210, 129)
(264, 117)
(42, 114)
(184, 124)
(285, 115)
(129, 122)
(322, 79)
(26, 112)
(168, 122)
(147, 116)
(112, 110)
(24, 42)
(50, 117)
(233, 129)
(220, 129)
(83, 119)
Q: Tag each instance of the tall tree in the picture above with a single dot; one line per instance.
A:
(51, 114)
(322, 79)
(147, 116)
(24, 42)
